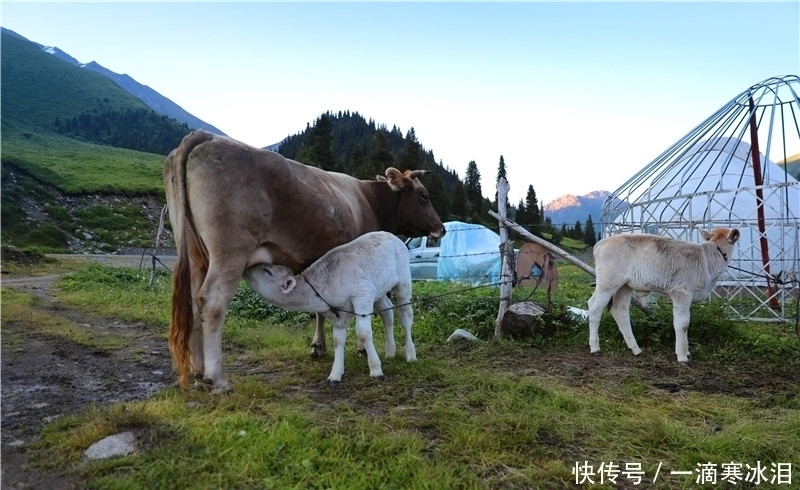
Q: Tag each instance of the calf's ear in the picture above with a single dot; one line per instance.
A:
(733, 235)
(706, 235)
(288, 285)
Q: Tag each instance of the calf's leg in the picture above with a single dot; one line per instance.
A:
(681, 311)
(620, 310)
(364, 334)
(597, 302)
(339, 338)
(403, 294)
(384, 308)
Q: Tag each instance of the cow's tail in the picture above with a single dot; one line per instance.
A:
(187, 242)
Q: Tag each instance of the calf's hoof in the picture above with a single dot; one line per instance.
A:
(333, 383)
(597, 353)
(636, 351)
(318, 351)
(380, 377)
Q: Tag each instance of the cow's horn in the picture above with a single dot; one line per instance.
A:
(418, 173)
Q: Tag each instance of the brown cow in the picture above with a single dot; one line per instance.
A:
(232, 206)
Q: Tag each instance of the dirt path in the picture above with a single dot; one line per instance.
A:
(45, 377)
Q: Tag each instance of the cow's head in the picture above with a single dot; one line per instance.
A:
(415, 213)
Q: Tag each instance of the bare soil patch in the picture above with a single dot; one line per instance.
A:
(45, 377)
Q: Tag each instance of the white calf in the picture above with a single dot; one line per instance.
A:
(684, 271)
(351, 279)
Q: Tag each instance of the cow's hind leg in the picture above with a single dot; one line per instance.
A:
(212, 301)
(318, 347)
(681, 311)
(620, 310)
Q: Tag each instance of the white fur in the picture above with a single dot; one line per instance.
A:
(351, 279)
(684, 271)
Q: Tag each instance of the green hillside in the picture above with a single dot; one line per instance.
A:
(38, 87)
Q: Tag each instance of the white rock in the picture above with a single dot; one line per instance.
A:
(460, 333)
(120, 444)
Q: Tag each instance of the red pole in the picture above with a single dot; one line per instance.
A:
(759, 181)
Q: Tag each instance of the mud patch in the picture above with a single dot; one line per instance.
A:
(45, 377)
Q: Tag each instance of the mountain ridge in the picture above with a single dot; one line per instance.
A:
(151, 98)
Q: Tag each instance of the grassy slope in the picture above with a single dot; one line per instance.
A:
(75, 167)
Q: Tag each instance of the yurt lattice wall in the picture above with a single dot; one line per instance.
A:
(738, 169)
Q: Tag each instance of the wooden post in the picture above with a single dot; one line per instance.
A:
(506, 254)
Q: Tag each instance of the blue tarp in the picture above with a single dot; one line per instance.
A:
(470, 253)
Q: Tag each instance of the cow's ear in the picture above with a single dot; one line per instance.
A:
(288, 285)
(733, 236)
(396, 180)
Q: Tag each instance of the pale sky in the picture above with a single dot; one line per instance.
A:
(576, 97)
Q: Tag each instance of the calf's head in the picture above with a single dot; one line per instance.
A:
(270, 281)
(723, 238)
(415, 213)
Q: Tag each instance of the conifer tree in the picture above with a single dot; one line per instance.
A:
(472, 185)
(589, 236)
(501, 174)
(460, 202)
(534, 213)
(411, 156)
(316, 148)
(380, 156)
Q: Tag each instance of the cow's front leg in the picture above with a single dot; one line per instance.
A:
(318, 348)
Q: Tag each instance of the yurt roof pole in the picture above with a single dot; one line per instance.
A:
(759, 181)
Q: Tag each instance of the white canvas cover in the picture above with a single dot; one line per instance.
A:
(713, 185)
(470, 253)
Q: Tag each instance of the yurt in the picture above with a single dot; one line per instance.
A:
(734, 170)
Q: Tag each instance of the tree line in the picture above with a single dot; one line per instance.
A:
(347, 143)
(134, 129)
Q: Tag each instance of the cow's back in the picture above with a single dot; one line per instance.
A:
(242, 199)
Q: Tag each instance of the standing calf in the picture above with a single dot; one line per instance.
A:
(351, 279)
(684, 271)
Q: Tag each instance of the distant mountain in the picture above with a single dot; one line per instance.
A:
(570, 209)
(155, 101)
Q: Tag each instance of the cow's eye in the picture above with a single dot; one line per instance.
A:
(424, 198)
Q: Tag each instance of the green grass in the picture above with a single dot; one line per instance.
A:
(485, 415)
(75, 167)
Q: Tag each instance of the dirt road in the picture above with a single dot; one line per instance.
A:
(45, 376)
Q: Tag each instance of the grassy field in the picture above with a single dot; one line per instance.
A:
(532, 413)
(76, 167)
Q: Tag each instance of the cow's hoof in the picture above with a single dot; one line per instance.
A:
(687, 363)
(379, 378)
(333, 383)
(318, 351)
(636, 351)
(597, 353)
(202, 383)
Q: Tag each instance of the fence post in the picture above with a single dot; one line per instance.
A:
(506, 254)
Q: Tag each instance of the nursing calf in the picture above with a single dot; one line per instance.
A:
(350, 280)
(684, 271)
